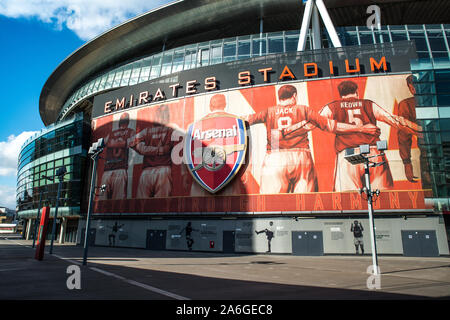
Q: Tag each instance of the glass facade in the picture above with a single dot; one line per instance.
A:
(432, 83)
(431, 69)
(63, 144)
(431, 42)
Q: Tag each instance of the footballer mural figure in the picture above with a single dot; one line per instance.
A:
(155, 144)
(115, 175)
(353, 110)
(288, 165)
(407, 110)
(269, 235)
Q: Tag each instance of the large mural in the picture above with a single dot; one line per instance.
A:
(267, 148)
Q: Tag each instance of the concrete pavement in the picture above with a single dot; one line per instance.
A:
(123, 273)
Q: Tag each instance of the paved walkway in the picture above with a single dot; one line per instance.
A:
(119, 273)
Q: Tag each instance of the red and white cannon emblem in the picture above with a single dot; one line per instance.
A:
(215, 149)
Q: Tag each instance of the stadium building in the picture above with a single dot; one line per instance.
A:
(226, 122)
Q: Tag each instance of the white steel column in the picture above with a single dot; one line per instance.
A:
(316, 34)
(311, 8)
(305, 25)
(328, 24)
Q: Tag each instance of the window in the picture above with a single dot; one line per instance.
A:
(258, 46)
(68, 161)
(216, 54)
(125, 78)
(244, 49)
(229, 51)
(166, 63)
(349, 39)
(399, 36)
(425, 88)
(382, 37)
(291, 42)
(156, 66)
(442, 75)
(276, 44)
(178, 61)
(366, 37)
(426, 100)
(443, 87)
(419, 38)
(190, 57)
(443, 100)
(135, 74)
(204, 56)
(436, 40)
(109, 80)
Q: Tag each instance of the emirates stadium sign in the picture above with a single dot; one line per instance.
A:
(264, 135)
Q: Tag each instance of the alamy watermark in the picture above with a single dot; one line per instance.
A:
(74, 280)
(374, 280)
(374, 20)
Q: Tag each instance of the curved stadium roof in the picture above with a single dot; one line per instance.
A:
(183, 22)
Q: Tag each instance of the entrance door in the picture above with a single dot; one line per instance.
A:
(228, 242)
(156, 239)
(420, 243)
(307, 243)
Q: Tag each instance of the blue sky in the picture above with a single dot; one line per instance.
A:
(36, 35)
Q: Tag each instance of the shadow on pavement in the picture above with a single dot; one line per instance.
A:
(22, 277)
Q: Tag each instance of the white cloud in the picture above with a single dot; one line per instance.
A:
(8, 197)
(87, 18)
(9, 152)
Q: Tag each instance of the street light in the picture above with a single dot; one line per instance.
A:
(363, 157)
(94, 152)
(60, 174)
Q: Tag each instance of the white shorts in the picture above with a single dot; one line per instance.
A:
(155, 182)
(358, 241)
(290, 170)
(349, 177)
(116, 184)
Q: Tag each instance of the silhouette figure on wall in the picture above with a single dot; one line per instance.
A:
(112, 235)
(357, 230)
(269, 235)
(188, 230)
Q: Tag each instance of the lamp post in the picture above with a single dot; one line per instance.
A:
(363, 158)
(60, 174)
(94, 152)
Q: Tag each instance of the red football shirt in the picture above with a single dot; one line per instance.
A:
(354, 111)
(155, 137)
(278, 118)
(117, 158)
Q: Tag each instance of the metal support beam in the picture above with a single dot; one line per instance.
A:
(328, 24)
(312, 10)
(316, 34)
(305, 25)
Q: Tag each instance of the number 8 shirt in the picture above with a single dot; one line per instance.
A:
(288, 165)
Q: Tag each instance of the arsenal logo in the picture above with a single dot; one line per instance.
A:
(215, 149)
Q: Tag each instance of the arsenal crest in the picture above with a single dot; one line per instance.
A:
(215, 149)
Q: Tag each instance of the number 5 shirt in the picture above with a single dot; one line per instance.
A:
(354, 111)
(360, 112)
